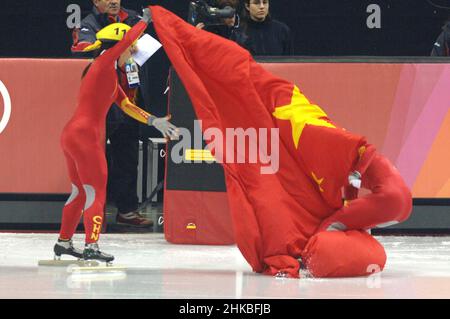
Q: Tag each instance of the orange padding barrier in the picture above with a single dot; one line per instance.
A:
(401, 108)
(43, 96)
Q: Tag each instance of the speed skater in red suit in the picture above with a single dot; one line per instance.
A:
(317, 159)
(334, 158)
(82, 139)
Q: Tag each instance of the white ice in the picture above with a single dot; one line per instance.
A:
(418, 267)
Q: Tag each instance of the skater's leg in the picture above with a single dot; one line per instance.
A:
(72, 212)
(73, 208)
(93, 174)
(92, 169)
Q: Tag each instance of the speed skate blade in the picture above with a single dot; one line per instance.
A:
(65, 263)
(98, 268)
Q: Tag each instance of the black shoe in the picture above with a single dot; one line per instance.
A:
(133, 219)
(92, 252)
(65, 247)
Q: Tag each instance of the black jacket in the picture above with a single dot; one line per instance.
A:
(442, 44)
(235, 33)
(270, 37)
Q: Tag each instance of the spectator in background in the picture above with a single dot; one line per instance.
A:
(267, 36)
(231, 27)
(442, 44)
(121, 131)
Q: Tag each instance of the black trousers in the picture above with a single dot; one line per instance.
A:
(122, 156)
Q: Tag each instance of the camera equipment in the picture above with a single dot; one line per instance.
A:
(204, 11)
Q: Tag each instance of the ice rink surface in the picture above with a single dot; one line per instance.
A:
(417, 267)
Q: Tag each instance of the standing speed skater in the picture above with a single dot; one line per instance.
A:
(82, 139)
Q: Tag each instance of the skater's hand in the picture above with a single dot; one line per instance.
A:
(354, 179)
(147, 15)
(166, 128)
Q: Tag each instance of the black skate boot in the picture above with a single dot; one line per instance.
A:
(92, 252)
(65, 247)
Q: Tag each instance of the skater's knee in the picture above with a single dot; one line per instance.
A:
(90, 196)
(343, 254)
(71, 140)
(77, 196)
(73, 195)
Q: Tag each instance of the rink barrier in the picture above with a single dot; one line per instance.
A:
(369, 96)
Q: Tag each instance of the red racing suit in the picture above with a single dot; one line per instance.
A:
(82, 139)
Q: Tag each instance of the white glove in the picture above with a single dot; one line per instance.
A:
(354, 179)
(166, 128)
(147, 15)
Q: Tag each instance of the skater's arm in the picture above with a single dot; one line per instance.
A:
(130, 109)
(131, 36)
(166, 128)
(350, 192)
(366, 154)
(135, 32)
